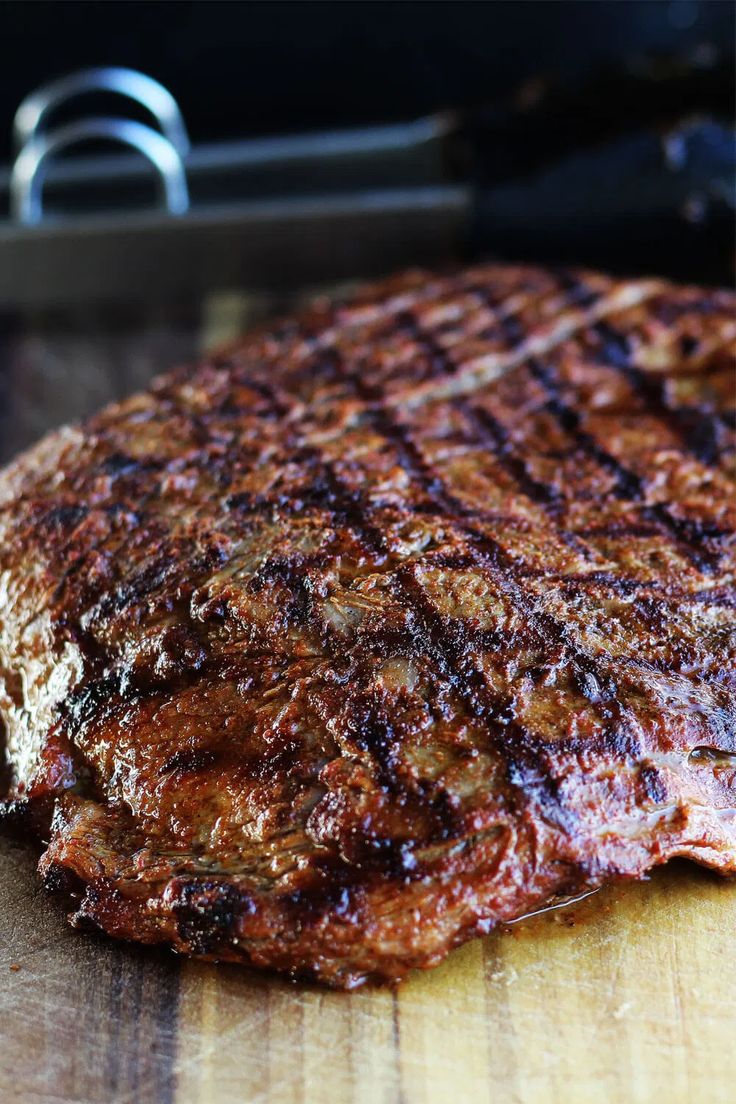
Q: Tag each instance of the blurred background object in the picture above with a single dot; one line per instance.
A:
(333, 142)
(240, 69)
(338, 141)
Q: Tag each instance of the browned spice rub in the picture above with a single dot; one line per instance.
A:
(404, 618)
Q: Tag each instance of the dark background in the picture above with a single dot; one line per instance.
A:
(253, 68)
(594, 133)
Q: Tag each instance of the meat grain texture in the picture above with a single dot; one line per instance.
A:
(400, 620)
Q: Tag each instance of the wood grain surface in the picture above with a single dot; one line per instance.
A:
(627, 997)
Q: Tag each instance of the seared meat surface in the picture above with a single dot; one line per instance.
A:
(404, 618)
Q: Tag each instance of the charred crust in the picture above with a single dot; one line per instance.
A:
(62, 519)
(616, 347)
(207, 913)
(94, 697)
(393, 858)
(699, 430)
(653, 784)
(87, 924)
(119, 465)
(189, 760)
(61, 880)
(338, 890)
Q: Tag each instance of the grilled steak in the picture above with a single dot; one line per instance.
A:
(404, 618)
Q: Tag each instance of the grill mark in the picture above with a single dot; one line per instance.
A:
(447, 647)
(105, 681)
(487, 552)
(580, 581)
(101, 693)
(491, 434)
(610, 301)
(415, 464)
(508, 322)
(349, 506)
(469, 682)
(430, 483)
(398, 436)
(299, 605)
(439, 490)
(625, 585)
(578, 294)
(411, 459)
(697, 429)
(346, 506)
(720, 596)
(701, 432)
(105, 694)
(522, 752)
(618, 528)
(513, 742)
(439, 360)
(394, 433)
(629, 485)
(275, 405)
(690, 532)
(285, 506)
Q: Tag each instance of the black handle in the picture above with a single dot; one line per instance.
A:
(632, 170)
(645, 202)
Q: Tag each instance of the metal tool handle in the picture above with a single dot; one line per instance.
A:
(26, 184)
(145, 91)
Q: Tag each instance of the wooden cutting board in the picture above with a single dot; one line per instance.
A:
(629, 996)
